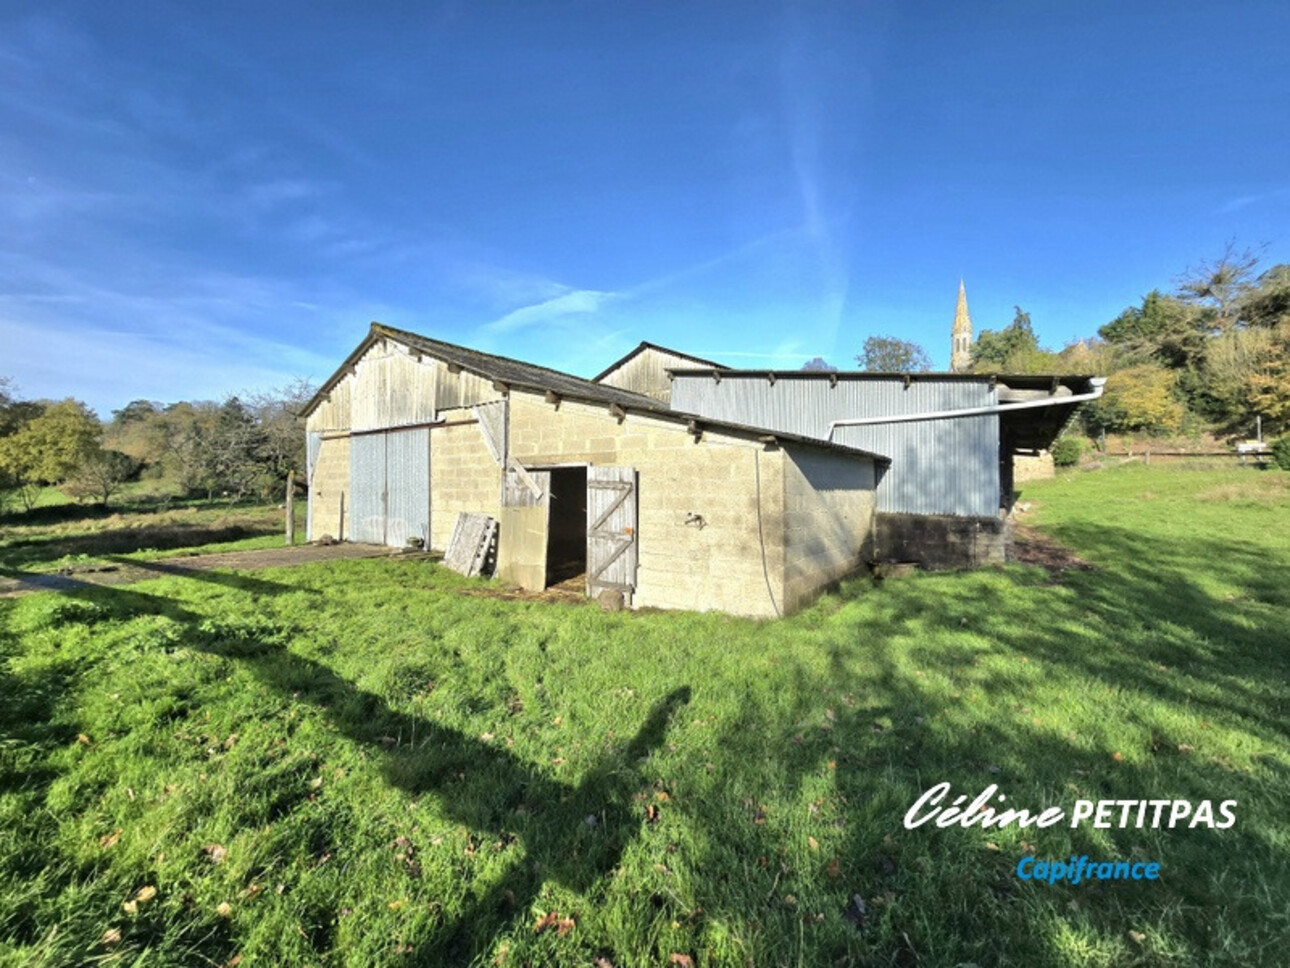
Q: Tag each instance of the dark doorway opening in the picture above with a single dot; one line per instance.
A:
(566, 546)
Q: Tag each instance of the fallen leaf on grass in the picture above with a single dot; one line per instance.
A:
(110, 937)
(1118, 757)
(834, 870)
(109, 840)
(564, 927)
(146, 893)
(812, 843)
(548, 920)
(130, 907)
(651, 814)
(1137, 937)
(395, 905)
(224, 909)
(84, 741)
(216, 853)
(682, 961)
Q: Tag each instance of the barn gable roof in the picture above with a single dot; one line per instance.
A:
(529, 376)
(624, 360)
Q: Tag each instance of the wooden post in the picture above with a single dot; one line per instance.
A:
(291, 508)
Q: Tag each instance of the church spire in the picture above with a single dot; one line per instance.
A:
(961, 343)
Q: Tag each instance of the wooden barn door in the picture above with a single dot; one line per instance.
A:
(611, 530)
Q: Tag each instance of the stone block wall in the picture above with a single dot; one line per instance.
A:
(463, 475)
(828, 520)
(699, 542)
(330, 482)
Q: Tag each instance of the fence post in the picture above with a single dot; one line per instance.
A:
(291, 508)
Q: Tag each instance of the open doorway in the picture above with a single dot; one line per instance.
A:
(566, 548)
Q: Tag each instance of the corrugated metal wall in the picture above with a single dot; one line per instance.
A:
(313, 445)
(367, 488)
(389, 486)
(407, 487)
(937, 466)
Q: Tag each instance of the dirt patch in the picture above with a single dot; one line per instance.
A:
(571, 591)
(127, 571)
(1032, 547)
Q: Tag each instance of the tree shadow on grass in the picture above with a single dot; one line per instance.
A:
(573, 835)
(1167, 653)
(21, 552)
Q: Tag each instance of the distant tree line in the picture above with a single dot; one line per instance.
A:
(1211, 354)
(240, 448)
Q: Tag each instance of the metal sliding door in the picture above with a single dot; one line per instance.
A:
(389, 486)
(407, 487)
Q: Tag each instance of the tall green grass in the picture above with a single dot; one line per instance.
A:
(355, 763)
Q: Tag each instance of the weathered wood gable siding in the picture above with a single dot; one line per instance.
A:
(828, 519)
(393, 386)
(646, 373)
(733, 547)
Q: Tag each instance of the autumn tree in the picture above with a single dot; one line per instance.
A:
(48, 448)
(1141, 398)
(100, 474)
(889, 354)
(1220, 286)
(277, 414)
(819, 364)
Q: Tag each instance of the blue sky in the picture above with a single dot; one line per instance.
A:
(201, 198)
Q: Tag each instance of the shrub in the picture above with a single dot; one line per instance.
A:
(1281, 452)
(1067, 451)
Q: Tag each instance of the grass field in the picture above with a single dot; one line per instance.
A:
(369, 762)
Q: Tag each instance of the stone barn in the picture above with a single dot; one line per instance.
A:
(607, 482)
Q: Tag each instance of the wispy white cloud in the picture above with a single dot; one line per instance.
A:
(574, 302)
(1240, 202)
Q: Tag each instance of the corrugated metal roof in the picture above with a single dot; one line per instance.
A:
(938, 467)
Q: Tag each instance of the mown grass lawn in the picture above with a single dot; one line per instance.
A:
(364, 763)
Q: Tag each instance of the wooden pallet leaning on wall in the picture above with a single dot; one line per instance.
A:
(473, 545)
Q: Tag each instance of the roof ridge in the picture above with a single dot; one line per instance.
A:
(384, 328)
